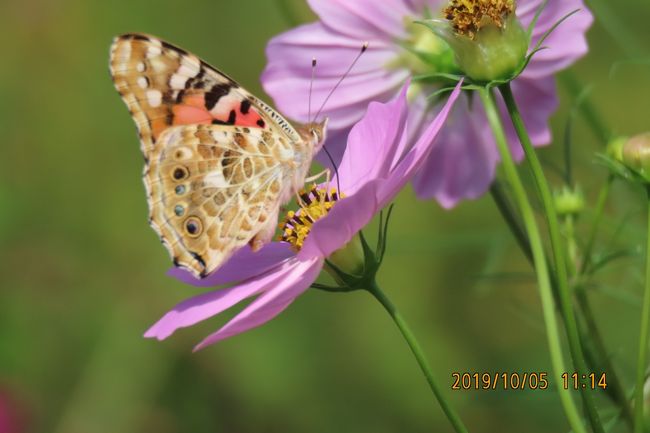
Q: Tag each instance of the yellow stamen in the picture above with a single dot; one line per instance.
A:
(314, 204)
(469, 16)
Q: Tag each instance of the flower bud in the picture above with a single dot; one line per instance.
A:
(636, 155)
(488, 41)
(569, 201)
(350, 259)
(615, 148)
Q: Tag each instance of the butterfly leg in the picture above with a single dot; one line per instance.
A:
(265, 235)
(325, 173)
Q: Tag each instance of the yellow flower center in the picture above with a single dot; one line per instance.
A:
(469, 16)
(314, 203)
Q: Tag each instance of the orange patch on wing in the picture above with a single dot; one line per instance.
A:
(197, 101)
(192, 110)
(158, 125)
(189, 114)
(249, 119)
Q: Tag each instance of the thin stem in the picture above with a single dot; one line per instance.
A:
(558, 253)
(603, 363)
(600, 208)
(643, 339)
(508, 214)
(539, 259)
(453, 417)
(595, 353)
(571, 246)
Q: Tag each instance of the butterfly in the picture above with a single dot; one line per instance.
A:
(219, 162)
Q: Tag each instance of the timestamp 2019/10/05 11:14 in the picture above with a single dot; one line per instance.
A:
(525, 380)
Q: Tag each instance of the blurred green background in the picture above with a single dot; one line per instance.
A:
(82, 275)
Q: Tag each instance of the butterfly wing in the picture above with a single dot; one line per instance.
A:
(184, 108)
(164, 85)
(213, 188)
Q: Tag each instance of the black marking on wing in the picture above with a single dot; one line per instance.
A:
(199, 259)
(217, 92)
(173, 47)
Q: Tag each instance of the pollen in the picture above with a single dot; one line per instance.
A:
(469, 16)
(315, 203)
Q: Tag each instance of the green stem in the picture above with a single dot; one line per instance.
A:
(571, 246)
(558, 253)
(508, 214)
(539, 258)
(419, 356)
(596, 353)
(600, 209)
(595, 343)
(643, 339)
(601, 363)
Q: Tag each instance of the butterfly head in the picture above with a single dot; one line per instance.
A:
(315, 133)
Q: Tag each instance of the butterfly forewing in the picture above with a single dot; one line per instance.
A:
(164, 85)
(219, 163)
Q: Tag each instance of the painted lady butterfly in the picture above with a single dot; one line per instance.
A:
(219, 162)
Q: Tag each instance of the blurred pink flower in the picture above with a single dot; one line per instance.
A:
(463, 165)
(374, 168)
(12, 415)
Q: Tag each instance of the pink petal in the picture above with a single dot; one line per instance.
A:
(363, 19)
(296, 277)
(199, 308)
(373, 143)
(242, 265)
(345, 219)
(566, 44)
(416, 156)
(462, 165)
(373, 192)
(346, 105)
(537, 101)
(294, 50)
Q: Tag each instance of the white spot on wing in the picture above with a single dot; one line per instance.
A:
(124, 52)
(140, 67)
(178, 81)
(192, 61)
(154, 97)
(142, 82)
(188, 69)
(153, 51)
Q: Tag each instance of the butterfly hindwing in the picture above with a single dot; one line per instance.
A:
(213, 189)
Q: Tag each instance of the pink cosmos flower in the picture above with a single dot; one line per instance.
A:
(463, 165)
(12, 414)
(374, 168)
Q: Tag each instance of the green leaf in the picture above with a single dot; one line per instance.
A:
(538, 13)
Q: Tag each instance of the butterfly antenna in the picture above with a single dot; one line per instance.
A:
(364, 47)
(311, 86)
